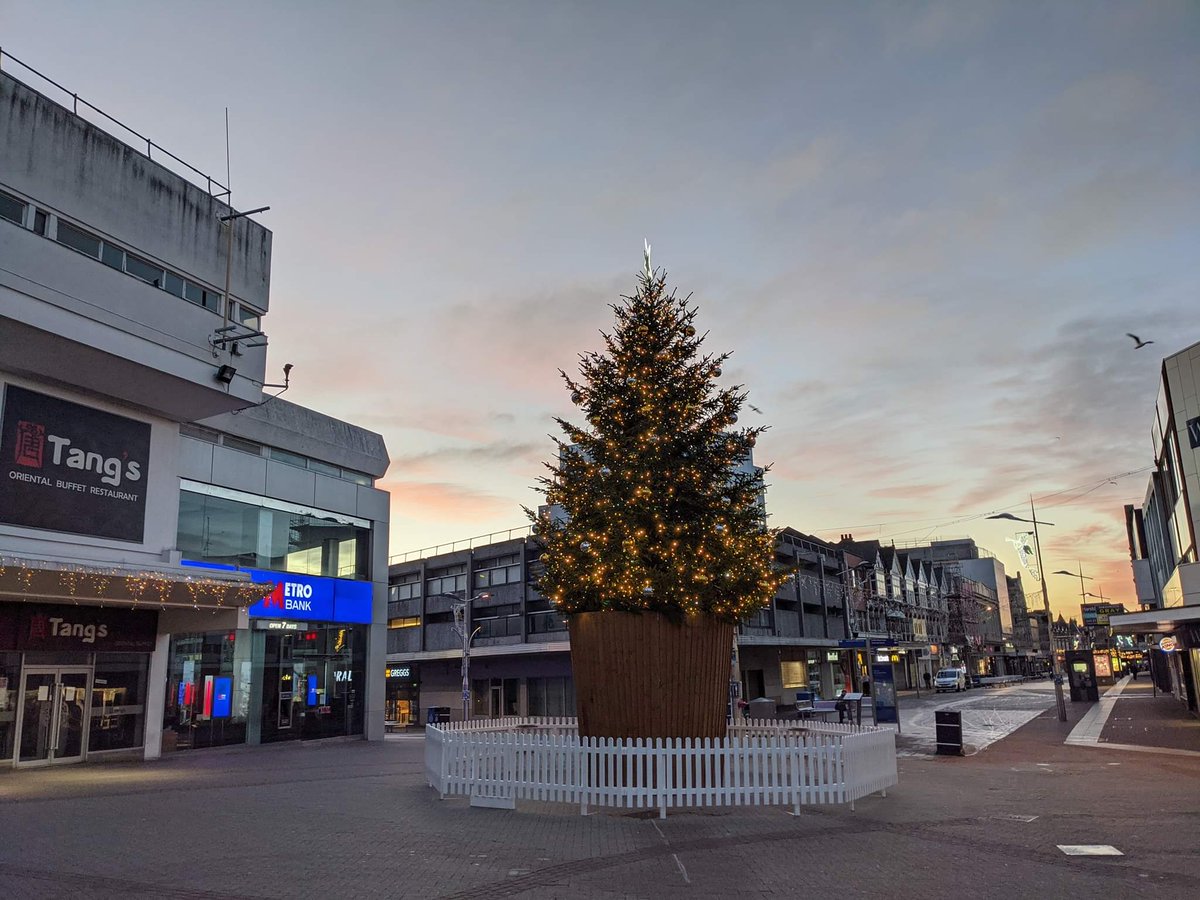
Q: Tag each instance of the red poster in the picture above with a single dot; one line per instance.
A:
(208, 696)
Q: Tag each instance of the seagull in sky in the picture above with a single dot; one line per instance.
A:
(1137, 341)
(755, 408)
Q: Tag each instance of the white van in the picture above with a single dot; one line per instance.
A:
(950, 680)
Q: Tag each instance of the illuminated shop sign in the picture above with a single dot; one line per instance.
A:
(66, 467)
(307, 597)
(398, 672)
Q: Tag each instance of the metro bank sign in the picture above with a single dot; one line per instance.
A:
(306, 597)
(310, 598)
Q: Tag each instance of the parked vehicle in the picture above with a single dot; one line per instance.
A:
(950, 680)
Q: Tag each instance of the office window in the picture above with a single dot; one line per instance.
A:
(247, 316)
(212, 300)
(40, 221)
(113, 257)
(199, 432)
(78, 239)
(447, 580)
(357, 477)
(12, 209)
(408, 587)
(174, 284)
(324, 468)
(140, 268)
(498, 570)
(236, 443)
(404, 622)
(286, 456)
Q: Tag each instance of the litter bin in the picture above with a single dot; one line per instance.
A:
(948, 723)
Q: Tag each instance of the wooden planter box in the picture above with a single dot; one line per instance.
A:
(642, 675)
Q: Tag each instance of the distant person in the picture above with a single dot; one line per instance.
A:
(1133, 672)
(928, 680)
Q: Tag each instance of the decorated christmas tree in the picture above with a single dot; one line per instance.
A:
(663, 511)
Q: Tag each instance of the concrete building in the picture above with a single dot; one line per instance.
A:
(1163, 532)
(520, 659)
(184, 561)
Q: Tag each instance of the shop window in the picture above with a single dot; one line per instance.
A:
(209, 684)
(221, 530)
(404, 622)
(551, 696)
(10, 682)
(118, 702)
(794, 673)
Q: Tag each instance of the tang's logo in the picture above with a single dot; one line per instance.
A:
(37, 627)
(31, 444)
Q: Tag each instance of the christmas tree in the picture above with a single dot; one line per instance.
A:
(659, 517)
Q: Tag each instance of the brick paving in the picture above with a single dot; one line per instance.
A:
(1139, 717)
(351, 819)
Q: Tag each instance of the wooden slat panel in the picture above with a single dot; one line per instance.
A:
(643, 675)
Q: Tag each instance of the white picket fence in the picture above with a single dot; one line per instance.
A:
(497, 762)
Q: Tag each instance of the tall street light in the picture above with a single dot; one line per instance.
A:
(1082, 578)
(1058, 679)
(462, 625)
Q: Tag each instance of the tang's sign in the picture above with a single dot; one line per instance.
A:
(67, 467)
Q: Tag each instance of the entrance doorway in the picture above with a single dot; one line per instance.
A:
(52, 715)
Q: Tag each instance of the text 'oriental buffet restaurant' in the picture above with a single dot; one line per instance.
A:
(187, 560)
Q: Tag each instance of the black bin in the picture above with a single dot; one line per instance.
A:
(949, 732)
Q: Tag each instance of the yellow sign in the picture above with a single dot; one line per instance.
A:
(1167, 644)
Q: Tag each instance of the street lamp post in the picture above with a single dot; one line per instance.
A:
(1058, 679)
(462, 625)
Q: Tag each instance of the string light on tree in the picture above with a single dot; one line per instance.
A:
(674, 522)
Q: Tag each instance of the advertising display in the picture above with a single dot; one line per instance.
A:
(883, 689)
(67, 467)
(1098, 613)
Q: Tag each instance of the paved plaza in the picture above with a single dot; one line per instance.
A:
(351, 819)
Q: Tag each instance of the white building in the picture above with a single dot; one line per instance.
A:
(149, 497)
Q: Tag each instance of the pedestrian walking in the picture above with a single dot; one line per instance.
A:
(928, 680)
(1133, 670)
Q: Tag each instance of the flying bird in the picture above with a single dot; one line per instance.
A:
(1139, 343)
(755, 408)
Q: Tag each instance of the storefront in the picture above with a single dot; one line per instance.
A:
(293, 669)
(72, 681)
(402, 705)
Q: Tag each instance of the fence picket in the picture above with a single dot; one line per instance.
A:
(760, 763)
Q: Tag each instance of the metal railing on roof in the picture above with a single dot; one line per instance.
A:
(470, 543)
(77, 101)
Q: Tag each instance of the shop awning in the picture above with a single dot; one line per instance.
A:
(1155, 621)
(149, 587)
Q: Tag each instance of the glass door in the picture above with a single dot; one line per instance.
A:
(53, 717)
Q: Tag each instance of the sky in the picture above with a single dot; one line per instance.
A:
(922, 229)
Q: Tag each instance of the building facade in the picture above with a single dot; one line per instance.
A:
(1163, 533)
(184, 561)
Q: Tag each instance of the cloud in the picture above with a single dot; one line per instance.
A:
(442, 501)
(497, 452)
